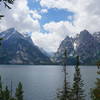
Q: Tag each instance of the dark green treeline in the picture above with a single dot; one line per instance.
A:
(6, 93)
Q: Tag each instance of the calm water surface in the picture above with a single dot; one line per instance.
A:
(42, 82)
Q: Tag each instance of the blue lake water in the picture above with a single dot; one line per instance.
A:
(42, 82)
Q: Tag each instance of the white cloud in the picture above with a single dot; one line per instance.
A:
(44, 11)
(19, 17)
(86, 16)
(35, 14)
(61, 28)
(50, 42)
(57, 31)
(86, 13)
(60, 4)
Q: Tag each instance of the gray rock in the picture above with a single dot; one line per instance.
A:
(19, 49)
(86, 45)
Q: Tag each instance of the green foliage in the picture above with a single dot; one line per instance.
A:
(1, 40)
(0, 84)
(5, 94)
(64, 93)
(98, 64)
(64, 58)
(76, 92)
(1, 92)
(77, 89)
(95, 94)
(19, 92)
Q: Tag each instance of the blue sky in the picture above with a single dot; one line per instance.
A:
(56, 15)
(56, 18)
(53, 14)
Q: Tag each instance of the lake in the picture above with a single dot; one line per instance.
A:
(43, 82)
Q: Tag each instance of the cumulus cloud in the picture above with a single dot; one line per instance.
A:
(56, 32)
(86, 13)
(35, 14)
(86, 16)
(44, 11)
(49, 42)
(20, 17)
(61, 28)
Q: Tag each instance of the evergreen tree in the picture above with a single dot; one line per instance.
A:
(64, 94)
(19, 92)
(77, 89)
(11, 89)
(98, 64)
(1, 41)
(96, 90)
(6, 94)
(66, 83)
(0, 84)
(1, 91)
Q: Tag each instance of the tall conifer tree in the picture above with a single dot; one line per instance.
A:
(96, 90)
(19, 92)
(6, 94)
(64, 94)
(77, 89)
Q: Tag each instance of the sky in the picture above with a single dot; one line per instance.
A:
(50, 21)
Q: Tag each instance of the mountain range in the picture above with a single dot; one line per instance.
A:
(17, 48)
(20, 49)
(85, 45)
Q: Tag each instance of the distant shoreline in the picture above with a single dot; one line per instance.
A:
(51, 64)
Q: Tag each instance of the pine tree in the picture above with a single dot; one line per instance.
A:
(11, 89)
(1, 91)
(96, 91)
(6, 94)
(0, 84)
(64, 94)
(66, 83)
(77, 89)
(19, 92)
(1, 41)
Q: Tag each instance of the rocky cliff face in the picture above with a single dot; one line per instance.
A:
(19, 49)
(85, 45)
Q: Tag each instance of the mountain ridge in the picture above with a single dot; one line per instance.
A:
(85, 45)
(17, 49)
